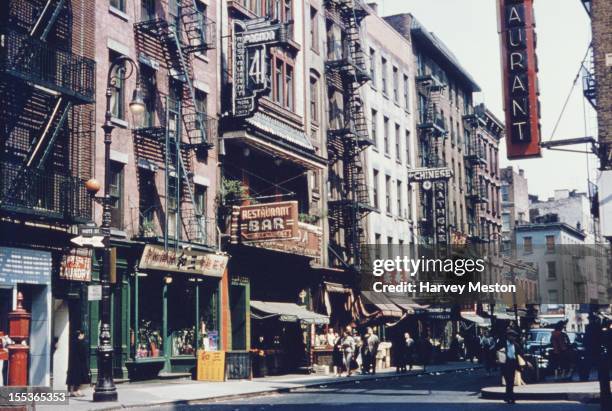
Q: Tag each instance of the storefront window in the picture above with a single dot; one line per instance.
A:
(209, 317)
(182, 316)
(149, 340)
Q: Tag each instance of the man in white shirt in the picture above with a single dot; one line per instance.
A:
(512, 349)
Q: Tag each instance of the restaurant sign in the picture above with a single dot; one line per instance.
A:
(251, 57)
(519, 68)
(185, 261)
(307, 243)
(268, 222)
(418, 175)
(76, 265)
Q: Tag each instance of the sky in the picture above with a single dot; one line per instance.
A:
(469, 29)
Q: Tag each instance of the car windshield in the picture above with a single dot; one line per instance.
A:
(540, 337)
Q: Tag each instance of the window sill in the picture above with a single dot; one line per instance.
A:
(119, 122)
(118, 13)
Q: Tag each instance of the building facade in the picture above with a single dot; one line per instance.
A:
(515, 203)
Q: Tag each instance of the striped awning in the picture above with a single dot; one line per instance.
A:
(286, 312)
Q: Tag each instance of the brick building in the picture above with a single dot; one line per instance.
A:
(515, 203)
(47, 89)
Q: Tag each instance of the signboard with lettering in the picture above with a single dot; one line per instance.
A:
(307, 243)
(76, 265)
(519, 68)
(155, 257)
(94, 292)
(25, 266)
(211, 365)
(440, 216)
(268, 222)
(252, 40)
(429, 174)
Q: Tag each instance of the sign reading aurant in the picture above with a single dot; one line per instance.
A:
(155, 257)
(519, 68)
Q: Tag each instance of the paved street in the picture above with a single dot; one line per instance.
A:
(456, 391)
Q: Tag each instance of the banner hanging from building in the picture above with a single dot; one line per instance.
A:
(520, 83)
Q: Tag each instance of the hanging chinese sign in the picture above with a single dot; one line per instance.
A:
(520, 83)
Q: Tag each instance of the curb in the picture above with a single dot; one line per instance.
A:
(586, 397)
(284, 390)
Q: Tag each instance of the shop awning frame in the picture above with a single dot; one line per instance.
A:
(476, 319)
(286, 312)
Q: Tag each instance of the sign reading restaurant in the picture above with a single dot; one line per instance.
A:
(272, 221)
(519, 68)
(418, 175)
(252, 39)
(155, 257)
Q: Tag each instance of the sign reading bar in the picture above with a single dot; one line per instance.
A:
(76, 265)
(519, 68)
(429, 174)
(272, 221)
(155, 257)
(251, 57)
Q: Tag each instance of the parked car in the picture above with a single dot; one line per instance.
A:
(538, 350)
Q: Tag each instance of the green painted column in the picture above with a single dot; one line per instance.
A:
(167, 345)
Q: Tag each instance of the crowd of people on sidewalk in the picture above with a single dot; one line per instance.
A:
(352, 351)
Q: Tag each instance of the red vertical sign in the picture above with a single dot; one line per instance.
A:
(519, 70)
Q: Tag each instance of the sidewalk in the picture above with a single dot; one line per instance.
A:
(572, 391)
(135, 395)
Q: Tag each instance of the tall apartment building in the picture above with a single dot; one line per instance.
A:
(391, 111)
(47, 90)
(515, 203)
(168, 286)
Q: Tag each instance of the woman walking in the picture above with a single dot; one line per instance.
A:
(348, 349)
(78, 371)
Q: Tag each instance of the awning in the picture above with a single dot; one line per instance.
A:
(504, 316)
(287, 312)
(476, 319)
(383, 304)
(337, 288)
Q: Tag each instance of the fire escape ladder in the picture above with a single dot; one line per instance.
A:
(47, 17)
(589, 82)
(199, 31)
(56, 122)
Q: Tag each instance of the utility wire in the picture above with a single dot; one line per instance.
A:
(552, 135)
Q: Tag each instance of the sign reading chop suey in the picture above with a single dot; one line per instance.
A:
(271, 221)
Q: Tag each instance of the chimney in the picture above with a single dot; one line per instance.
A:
(374, 7)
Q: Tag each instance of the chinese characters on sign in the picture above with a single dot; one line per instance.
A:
(250, 56)
(519, 67)
(24, 266)
(183, 261)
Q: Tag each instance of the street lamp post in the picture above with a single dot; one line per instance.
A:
(105, 389)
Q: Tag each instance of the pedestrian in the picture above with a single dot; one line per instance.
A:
(337, 356)
(560, 352)
(509, 353)
(348, 351)
(399, 351)
(78, 371)
(409, 351)
(488, 352)
(424, 350)
(368, 352)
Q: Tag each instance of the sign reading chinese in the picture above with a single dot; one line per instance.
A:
(418, 175)
(519, 68)
(252, 39)
(155, 257)
(76, 265)
(267, 222)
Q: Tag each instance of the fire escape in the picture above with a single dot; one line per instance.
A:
(184, 129)
(44, 89)
(475, 161)
(349, 136)
(432, 131)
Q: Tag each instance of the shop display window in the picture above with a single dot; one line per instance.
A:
(148, 340)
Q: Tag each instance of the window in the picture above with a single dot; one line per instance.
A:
(149, 89)
(147, 202)
(385, 86)
(283, 83)
(398, 153)
(314, 99)
(506, 222)
(374, 122)
(504, 193)
(400, 210)
(407, 147)
(553, 297)
(289, 87)
(314, 29)
(375, 189)
(147, 10)
(551, 268)
(395, 85)
(406, 93)
(116, 194)
(377, 242)
(200, 197)
(278, 81)
(373, 67)
(527, 245)
(201, 101)
(118, 89)
(550, 243)
(118, 4)
(386, 135)
(388, 193)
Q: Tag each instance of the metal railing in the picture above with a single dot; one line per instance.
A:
(36, 61)
(43, 193)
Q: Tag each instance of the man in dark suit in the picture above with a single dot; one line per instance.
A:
(512, 349)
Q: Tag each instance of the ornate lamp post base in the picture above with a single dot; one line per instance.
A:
(105, 389)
